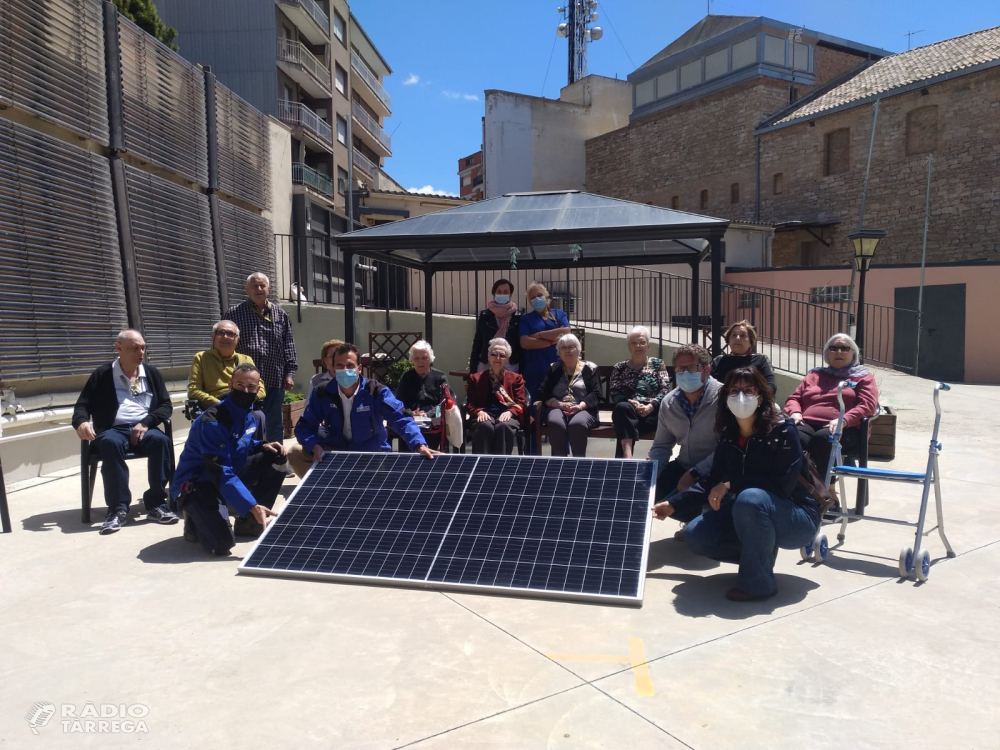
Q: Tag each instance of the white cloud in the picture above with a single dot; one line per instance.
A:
(429, 190)
(412, 80)
(459, 95)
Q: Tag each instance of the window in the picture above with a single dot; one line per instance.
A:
(774, 50)
(717, 64)
(823, 294)
(734, 193)
(341, 180)
(837, 152)
(675, 202)
(800, 56)
(744, 53)
(703, 200)
(644, 92)
(778, 183)
(921, 130)
(666, 84)
(341, 130)
(341, 79)
(339, 28)
(467, 180)
(749, 299)
(691, 74)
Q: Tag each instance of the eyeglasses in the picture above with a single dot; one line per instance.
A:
(748, 391)
(227, 334)
(691, 368)
(839, 348)
(501, 355)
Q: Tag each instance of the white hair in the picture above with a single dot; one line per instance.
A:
(128, 334)
(500, 343)
(422, 346)
(855, 357)
(638, 330)
(568, 341)
(216, 326)
(262, 275)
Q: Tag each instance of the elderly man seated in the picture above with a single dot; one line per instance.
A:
(227, 461)
(118, 408)
(211, 370)
(348, 414)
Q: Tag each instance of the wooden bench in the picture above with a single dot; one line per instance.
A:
(605, 427)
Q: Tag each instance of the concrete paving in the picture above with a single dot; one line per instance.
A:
(846, 655)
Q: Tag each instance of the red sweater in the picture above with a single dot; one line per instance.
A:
(816, 399)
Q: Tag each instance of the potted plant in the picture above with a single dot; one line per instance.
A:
(292, 408)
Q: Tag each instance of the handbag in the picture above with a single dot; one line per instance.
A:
(825, 497)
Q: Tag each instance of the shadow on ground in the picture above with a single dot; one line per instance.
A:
(66, 521)
(700, 596)
(175, 551)
(673, 553)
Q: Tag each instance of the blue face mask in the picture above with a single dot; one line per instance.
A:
(538, 304)
(689, 382)
(347, 378)
(501, 299)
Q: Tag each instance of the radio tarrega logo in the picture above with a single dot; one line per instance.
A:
(103, 718)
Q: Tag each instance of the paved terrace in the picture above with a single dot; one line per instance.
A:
(846, 655)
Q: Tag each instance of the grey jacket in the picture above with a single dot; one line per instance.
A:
(697, 437)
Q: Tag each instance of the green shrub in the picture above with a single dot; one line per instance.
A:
(395, 372)
(291, 397)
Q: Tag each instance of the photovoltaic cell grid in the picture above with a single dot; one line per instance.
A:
(567, 528)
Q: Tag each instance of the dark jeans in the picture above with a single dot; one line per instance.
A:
(687, 504)
(747, 529)
(274, 422)
(207, 512)
(112, 444)
(569, 433)
(816, 441)
(496, 438)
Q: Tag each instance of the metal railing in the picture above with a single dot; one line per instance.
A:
(370, 124)
(296, 113)
(304, 175)
(298, 53)
(315, 12)
(365, 164)
(369, 78)
(791, 330)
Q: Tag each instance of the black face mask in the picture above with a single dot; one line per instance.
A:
(243, 400)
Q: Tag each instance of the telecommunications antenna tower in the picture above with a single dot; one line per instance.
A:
(579, 14)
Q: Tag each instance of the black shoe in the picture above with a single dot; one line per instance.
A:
(247, 526)
(162, 514)
(189, 533)
(115, 520)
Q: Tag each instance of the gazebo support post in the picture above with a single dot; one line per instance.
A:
(695, 301)
(429, 306)
(716, 243)
(350, 322)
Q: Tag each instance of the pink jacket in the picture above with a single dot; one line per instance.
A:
(816, 399)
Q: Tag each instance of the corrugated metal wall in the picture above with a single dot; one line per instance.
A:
(244, 149)
(248, 242)
(62, 301)
(52, 63)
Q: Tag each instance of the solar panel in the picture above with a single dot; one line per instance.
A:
(555, 527)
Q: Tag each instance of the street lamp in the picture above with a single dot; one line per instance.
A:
(865, 241)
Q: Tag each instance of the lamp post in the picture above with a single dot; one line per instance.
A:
(865, 241)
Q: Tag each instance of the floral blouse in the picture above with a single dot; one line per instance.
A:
(648, 385)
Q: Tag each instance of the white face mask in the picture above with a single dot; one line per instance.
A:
(743, 406)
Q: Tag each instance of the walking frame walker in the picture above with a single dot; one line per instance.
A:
(913, 561)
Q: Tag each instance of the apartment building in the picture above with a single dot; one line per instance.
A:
(470, 176)
(311, 65)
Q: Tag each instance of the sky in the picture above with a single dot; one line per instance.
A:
(445, 53)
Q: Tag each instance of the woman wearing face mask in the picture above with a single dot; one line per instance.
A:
(500, 320)
(638, 385)
(757, 502)
(539, 331)
(742, 340)
(814, 408)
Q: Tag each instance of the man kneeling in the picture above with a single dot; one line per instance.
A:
(226, 461)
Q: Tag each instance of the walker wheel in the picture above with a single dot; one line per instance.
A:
(923, 562)
(905, 562)
(821, 548)
(806, 553)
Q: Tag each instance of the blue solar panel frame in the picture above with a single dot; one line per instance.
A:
(567, 528)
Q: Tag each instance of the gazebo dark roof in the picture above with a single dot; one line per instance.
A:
(541, 226)
(549, 230)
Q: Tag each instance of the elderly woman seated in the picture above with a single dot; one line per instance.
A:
(741, 338)
(638, 385)
(814, 408)
(326, 357)
(421, 389)
(570, 394)
(496, 403)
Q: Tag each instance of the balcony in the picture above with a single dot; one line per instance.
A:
(377, 139)
(300, 116)
(366, 165)
(309, 18)
(381, 98)
(309, 177)
(305, 69)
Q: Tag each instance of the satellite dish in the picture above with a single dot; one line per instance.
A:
(596, 33)
(562, 29)
(593, 17)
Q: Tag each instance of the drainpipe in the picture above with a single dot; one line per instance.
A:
(757, 210)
